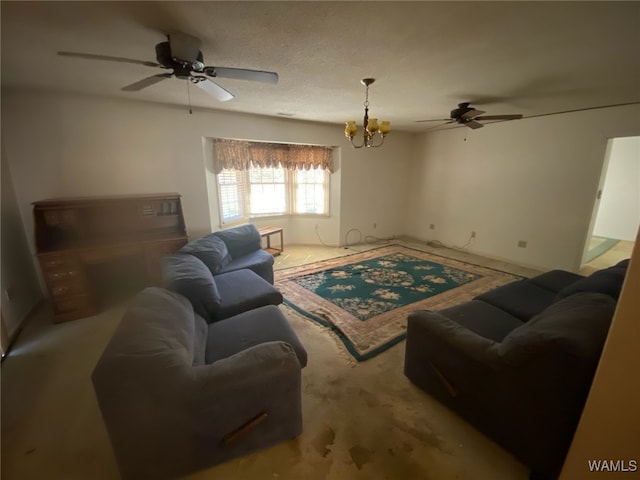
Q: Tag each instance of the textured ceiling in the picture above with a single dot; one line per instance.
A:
(504, 57)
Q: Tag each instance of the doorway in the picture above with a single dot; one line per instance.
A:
(616, 216)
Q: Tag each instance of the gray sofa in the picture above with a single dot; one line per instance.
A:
(517, 362)
(223, 274)
(178, 394)
(233, 249)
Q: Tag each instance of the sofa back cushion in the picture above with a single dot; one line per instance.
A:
(240, 240)
(608, 281)
(576, 325)
(191, 278)
(211, 250)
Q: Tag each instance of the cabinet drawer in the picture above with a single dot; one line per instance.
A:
(61, 289)
(58, 262)
(108, 254)
(78, 302)
(70, 274)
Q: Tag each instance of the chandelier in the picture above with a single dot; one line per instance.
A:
(372, 134)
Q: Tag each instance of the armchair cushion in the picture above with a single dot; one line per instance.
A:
(261, 325)
(191, 278)
(211, 250)
(577, 325)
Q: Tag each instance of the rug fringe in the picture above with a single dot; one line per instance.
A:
(342, 349)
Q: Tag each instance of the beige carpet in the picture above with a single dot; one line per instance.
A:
(360, 421)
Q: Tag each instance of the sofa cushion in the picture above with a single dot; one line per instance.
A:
(483, 319)
(189, 276)
(240, 240)
(259, 261)
(243, 290)
(261, 325)
(577, 325)
(608, 281)
(556, 280)
(522, 299)
(211, 250)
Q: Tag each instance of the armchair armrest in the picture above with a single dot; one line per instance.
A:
(260, 382)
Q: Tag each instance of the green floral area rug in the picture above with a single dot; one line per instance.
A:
(365, 298)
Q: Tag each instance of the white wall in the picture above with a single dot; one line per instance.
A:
(619, 210)
(20, 291)
(533, 179)
(70, 145)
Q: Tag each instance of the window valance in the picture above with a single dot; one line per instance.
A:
(241, 155)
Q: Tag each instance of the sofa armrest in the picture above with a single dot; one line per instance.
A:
(432, 327)
(443, 355)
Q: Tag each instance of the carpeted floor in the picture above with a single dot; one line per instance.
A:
(360, 421)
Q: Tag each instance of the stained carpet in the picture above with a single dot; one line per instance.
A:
(365, 298)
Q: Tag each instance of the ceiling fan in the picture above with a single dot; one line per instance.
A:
(181, 53)
(467, 115)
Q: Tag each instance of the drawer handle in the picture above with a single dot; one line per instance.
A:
(60, 290)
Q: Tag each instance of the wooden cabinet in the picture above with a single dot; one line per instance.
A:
(72, 234)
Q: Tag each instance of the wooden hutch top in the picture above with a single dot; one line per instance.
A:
(72, 233)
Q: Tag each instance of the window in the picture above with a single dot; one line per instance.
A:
(267, 191)
(230, 188)
(272, 191)
(265, 179)
(310, 191)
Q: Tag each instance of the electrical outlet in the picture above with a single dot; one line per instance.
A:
(432, 226)
(473, 234)
(522, 243)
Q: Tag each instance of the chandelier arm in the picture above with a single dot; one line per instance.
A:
(356, 146)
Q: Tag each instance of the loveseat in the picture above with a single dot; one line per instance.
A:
(223, 274)
(517, 362)
(179, 394)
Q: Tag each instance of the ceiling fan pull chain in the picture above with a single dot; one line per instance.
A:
(189, 97)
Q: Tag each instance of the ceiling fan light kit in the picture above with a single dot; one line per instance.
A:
(181, 54)
(371, 130)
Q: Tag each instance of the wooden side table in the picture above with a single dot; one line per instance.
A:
(268, 232)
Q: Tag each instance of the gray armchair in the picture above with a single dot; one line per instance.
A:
(178, 395)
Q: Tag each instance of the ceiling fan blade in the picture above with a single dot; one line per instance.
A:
(242, 74)
(92, 56)
(473, 124)
(183, 46)
(448, 120)
(213, 88)
(500, 117)
(472, 113)
(146, 82)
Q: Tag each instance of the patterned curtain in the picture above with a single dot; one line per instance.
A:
(239, 155)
